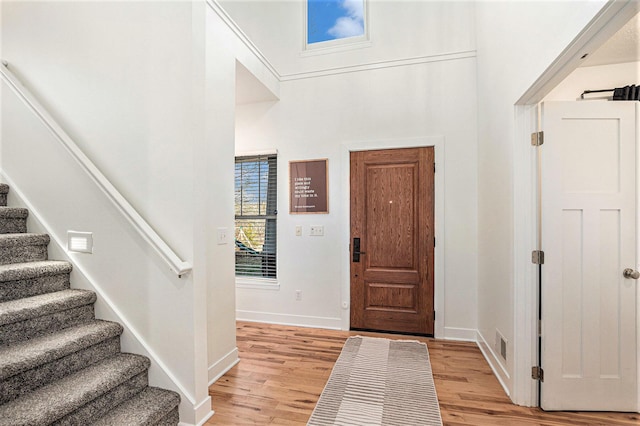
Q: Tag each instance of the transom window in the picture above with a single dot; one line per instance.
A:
(329, 20)
(256, 212)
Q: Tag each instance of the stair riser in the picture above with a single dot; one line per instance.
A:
(13, 290)
(3, 200)
(22, 383)
(13, 226)
(171, 419)
(21, 254)
(106, 402)
(23, 330)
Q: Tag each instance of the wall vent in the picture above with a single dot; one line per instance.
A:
(501, 345)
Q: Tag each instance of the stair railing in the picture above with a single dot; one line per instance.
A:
(180, 267)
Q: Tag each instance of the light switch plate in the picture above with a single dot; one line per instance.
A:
(317, 231)
(222, 236)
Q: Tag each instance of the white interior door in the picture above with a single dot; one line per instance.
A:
(589, 236)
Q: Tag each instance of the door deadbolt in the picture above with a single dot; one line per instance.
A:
(630, 273)
(356, 250)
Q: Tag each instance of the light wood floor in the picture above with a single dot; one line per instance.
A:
(284, 369)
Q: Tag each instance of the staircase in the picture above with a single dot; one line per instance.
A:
(58, 363)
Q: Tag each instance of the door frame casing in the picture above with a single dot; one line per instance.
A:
(437, 142)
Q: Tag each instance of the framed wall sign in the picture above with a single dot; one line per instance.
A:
(308, 186)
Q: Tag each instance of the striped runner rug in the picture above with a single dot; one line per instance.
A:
(379, 382)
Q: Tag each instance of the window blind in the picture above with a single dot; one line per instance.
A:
(256, 216)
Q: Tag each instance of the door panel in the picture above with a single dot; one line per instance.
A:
(392, 216)
(589, 235)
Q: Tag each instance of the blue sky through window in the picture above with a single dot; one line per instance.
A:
(334, 19)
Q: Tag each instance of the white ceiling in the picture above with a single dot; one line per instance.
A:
(624, 46)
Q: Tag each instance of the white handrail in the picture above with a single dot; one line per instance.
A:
(177, 265)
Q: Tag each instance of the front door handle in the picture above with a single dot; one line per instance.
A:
(356, 250)
(630, 273)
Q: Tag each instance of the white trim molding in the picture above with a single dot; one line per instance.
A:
(382, 64)
(460, 334)
(496, 366)
(258, 283)
(223, 365)
(288, 319)
(204, 412)
(438, 142)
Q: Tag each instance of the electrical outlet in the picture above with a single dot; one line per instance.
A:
(298, 295)
(317, 231)
(298, 230)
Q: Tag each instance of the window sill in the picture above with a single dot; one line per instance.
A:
(260, 283)
(320, 49)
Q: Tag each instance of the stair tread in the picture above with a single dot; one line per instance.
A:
(28, 354)
(29, 270)
(36, 306)
(146, 408)
(55, 400)
(13, 213)
(26, 239)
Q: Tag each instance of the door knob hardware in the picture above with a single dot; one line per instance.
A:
(631, 273)
(356, 250)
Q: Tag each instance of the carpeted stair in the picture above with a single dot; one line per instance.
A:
(59, 365)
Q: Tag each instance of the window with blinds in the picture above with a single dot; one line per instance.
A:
(256, 211)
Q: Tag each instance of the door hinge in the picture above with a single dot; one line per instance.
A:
(537, 138)
(434, 315)
(537, 373)
(537, 257)
(434, 167)
(434, 241)
(539, 328)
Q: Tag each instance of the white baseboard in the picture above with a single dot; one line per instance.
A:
(492, 359)
(463, 334)
(203, 411)
(224, 364)
(286, 319)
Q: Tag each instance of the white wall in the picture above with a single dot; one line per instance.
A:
(114, 75)
(216, 167)
(593, 78)
(398, 30)
(118, 76)
(516, 42)
(317, 116)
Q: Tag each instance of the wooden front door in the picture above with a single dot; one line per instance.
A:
(392, 240)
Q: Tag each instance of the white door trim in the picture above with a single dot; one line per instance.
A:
(525, 275)
(438, 143)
